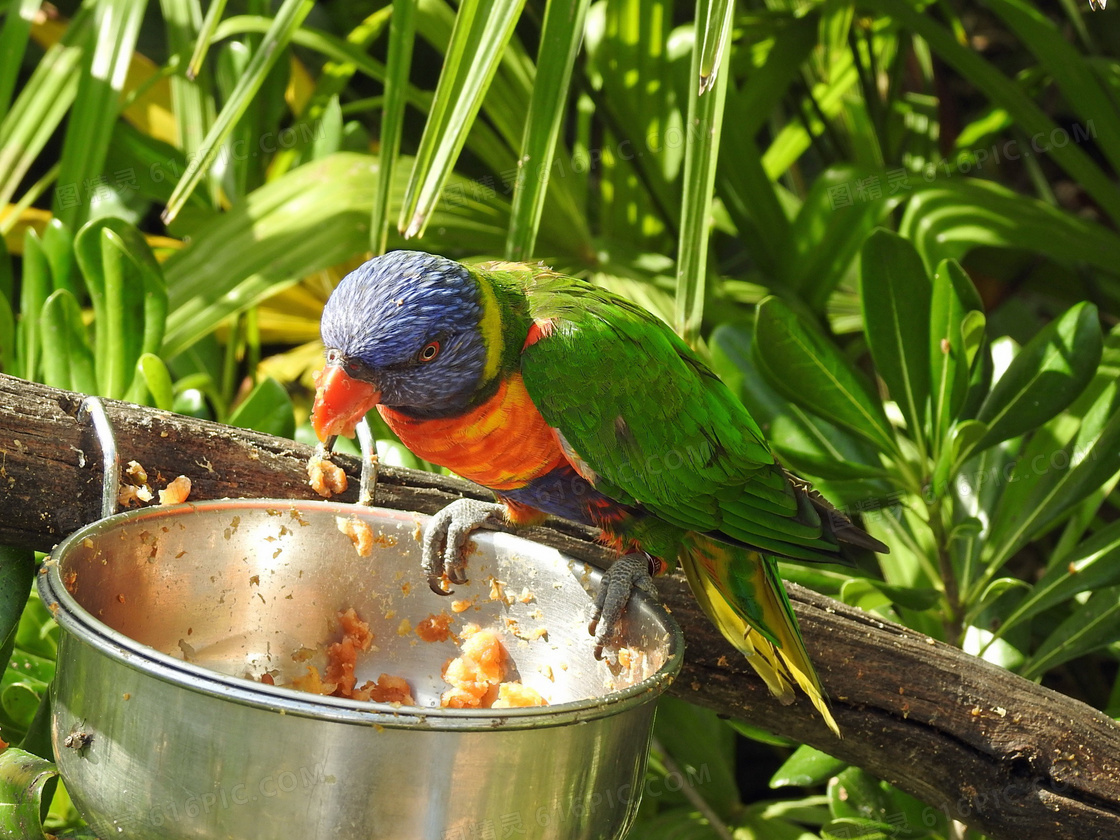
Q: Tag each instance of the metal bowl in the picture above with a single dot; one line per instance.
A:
(171, 616)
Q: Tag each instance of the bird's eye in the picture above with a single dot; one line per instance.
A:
(428, 352)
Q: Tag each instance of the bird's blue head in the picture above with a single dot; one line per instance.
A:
(407, 330)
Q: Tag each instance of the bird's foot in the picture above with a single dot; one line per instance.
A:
(627, 573)
(446, 537)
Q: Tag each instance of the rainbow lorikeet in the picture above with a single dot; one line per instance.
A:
(565, 399)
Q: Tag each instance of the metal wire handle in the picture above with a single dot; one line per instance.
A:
(93, 410)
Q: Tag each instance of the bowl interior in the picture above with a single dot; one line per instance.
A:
(249, 587)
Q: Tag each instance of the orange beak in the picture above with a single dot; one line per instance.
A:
(340, 402)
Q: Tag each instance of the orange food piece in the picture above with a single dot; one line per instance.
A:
(475, 674)
(462, 606)
(434, 628)
(176, 491)
(513, 695)
(326, 478)
(387, 689)
(359, 532)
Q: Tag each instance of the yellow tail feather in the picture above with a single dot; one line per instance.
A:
(773, 647)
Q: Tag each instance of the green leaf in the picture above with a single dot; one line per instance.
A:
(954, 297)
(561, 37)
(129, 300)
(41, 105)
(1046, 376)
(482, 30)
(1094, 565)
(23, 782)
(1008, 93)
(17, 571)
(58, 246)
(696, 738)
(806, 767)
(896, 295)
(402, 36)
(117, 23)
(1089, 627)
(812, 373)
(272, 46)
(13, 44)
(34, 290)
(701, 154)
(956, 215)
(851, 828)
(828, 232)
(313, 217)
(268, 409)
(156, 378)
(68, 361)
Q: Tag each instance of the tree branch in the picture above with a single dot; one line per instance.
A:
(1005, 756)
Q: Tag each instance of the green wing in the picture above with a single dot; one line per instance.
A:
(657, 427)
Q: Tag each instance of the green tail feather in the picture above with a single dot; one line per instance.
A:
(740, 592)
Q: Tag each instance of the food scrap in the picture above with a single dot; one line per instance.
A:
(342, 656)
(134, 489)
(176, 491)
(326, 478)
(359, 532)
(435, 628)
(476, 676)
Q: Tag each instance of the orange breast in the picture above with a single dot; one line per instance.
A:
(502, 444)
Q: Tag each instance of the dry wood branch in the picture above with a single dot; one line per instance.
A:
(999, 753)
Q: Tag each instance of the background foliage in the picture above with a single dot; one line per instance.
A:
(907, 208)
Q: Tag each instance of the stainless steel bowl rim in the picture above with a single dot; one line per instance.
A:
(76, 620)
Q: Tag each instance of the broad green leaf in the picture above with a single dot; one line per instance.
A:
(314, 217)
(97, 102)
(23, 782)
(126, 288)
(1089, 627)
(701, 154)
(402, 36)
(482, 30)
(288, 19)
(17, 570)
(58, 246)
(896, 295)
(808, 443)
(954, 297)
(68, 361)
(812, 373)
(952, 217)
(807, 767)
(268, 408)
(1046, 376)
(157, 380)
(856, 795)
(962, 438)
(561, 37)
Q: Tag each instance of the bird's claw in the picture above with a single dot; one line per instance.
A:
(446, 537)
(627, 573)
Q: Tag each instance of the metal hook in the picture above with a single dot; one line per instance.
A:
(93, 410)
(368, 485)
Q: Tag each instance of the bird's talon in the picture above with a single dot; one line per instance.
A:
(627, 573)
